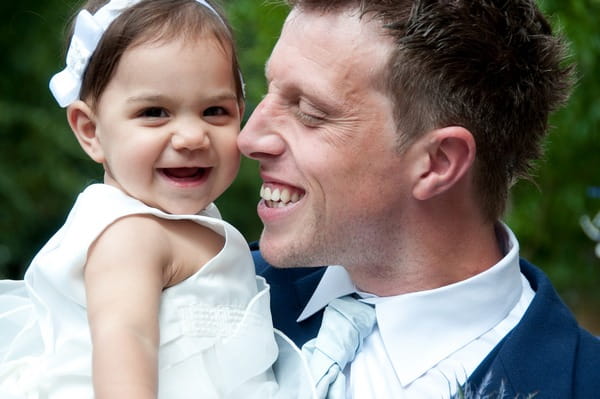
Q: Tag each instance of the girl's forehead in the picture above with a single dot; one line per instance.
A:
(166, 64)
(205, 40)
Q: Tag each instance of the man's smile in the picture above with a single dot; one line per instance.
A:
(280, 196)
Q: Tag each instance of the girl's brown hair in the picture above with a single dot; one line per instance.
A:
(153, 21)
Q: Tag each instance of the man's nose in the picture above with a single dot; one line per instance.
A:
(261, 137)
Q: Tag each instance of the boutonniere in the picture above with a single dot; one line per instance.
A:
(485, 391)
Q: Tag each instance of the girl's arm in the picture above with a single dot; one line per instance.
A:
(125, 273)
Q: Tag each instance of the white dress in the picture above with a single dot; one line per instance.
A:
(216, 334)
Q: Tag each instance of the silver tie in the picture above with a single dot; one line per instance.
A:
(346, 323)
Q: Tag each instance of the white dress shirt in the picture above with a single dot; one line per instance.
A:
(427, 343)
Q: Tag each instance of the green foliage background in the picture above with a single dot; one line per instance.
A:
(42, 167)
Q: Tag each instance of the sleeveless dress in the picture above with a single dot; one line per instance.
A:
(216, 333)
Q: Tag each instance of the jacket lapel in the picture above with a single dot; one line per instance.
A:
(291, 289)
(539, 353)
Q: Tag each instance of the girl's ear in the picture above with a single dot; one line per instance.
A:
(448, 156)
(241, 108)
(82, 121)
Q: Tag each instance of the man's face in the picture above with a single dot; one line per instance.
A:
(334, 182)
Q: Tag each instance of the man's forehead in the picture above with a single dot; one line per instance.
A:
(327, 20)
(338, 36)
(327, 59)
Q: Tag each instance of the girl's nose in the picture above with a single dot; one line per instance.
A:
(190, 137)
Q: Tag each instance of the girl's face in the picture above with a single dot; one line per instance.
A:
(166, 126)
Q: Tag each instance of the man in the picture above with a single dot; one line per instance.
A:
(387, 141)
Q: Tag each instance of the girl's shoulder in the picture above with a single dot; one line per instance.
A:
(131, 230)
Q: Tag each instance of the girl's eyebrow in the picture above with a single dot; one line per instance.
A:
(145, 98)
(227, 96)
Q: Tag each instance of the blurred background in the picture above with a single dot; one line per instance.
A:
(42, 168)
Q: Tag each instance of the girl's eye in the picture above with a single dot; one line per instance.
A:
(154, 112)
(215, 111)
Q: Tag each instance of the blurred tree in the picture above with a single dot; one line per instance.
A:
(545, 215)
(42, 167)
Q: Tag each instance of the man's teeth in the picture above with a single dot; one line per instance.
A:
(278, 198)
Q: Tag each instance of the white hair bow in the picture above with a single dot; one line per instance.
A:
(66, 84)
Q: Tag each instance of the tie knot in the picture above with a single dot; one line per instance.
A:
(346, 323)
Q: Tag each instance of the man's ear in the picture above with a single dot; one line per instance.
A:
(82, 121)
(448, 155)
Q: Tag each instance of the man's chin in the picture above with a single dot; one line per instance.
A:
(284, 255)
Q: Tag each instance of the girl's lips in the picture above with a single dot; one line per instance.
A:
(186, 175)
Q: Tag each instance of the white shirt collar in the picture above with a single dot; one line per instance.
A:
(335, 283)
(449, 317)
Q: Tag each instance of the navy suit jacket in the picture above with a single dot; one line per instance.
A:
(547, 353)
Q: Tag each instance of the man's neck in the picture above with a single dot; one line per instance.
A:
(430, 258)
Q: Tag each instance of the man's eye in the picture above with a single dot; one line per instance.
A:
(154, 112)
(309, 115)
(309, 120)
(215, 111)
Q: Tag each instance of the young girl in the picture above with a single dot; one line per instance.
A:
(145, 291)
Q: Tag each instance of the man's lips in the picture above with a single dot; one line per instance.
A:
(279, 196)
